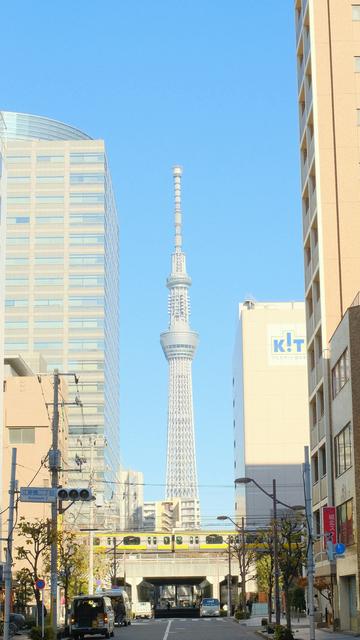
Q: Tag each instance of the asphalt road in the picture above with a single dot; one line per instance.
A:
(185, 629)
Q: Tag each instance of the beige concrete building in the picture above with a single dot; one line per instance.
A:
(27, 426)
(131, 500)
(328, 57)
(345, 421)
(271, 424)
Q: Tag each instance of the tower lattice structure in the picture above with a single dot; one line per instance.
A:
(179, 344)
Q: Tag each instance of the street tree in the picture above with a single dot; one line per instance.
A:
(265, 567)
(292, 549)
(37, 537)
(23, 589)
(246, 558)
(73, 563)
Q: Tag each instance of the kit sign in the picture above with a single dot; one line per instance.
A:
(286, 344)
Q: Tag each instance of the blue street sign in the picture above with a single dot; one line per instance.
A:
(40, 584)
(340, 548)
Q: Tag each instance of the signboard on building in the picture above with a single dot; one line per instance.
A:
(329, 525)
(286, 344)
(38, 494)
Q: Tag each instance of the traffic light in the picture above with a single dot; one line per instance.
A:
(75, 494)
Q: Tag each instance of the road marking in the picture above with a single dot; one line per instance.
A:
(167, 630)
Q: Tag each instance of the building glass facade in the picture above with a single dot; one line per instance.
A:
(62, 287)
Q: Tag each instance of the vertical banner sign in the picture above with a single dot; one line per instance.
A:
(329, 525)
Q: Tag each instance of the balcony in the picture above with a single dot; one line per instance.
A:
(319, 370)
(308, 274)
(298, 24)
(315, 255)
(317, 313)
(323, 488)
(300, 72)
(312, 203)
(311, 149)
(306, 45)
(321, 428)
(310, 325)
(316, 493)
(312, 380)
(306, 221)
(313, 437)
(304, 169)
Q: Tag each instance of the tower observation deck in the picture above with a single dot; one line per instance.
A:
(179, 344)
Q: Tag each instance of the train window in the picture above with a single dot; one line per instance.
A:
(133, 540)
(109, 541)
(196, 539)
(166, 540)
(149, 539)
(214, 539)
(154, 539)
(96, 542)
(191, 540)
(179, 539)
(237, 539)
(231, 538)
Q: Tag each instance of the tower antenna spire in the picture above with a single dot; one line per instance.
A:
(177, 173)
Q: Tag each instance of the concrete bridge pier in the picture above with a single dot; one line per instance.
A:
(215, 581)
(134, 583)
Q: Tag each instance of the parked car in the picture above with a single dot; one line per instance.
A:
(91, 615)
(142, 610)
(18, 619)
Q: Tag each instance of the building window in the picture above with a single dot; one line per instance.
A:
(47, 179)
(317, 522)
(86, 218)
(82, 258)
(345, 522)
(22, 436)
(87, 178)
(49, 199)
(49, 219)
(343, 450)
(340, 373)
(357, 63)
(50, 158)
(356, 12)
(86, 158)
(19, 220)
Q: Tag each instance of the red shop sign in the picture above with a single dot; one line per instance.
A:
(329, 524)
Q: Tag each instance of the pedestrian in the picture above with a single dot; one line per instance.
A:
(168, 605)
(249, 606)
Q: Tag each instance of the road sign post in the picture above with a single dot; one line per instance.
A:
(40, 584)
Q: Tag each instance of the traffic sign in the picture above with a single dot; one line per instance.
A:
(38, 494)
(340, 548)
(40, 584)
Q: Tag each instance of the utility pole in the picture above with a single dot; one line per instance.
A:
(7, 572)
(114, 562)
(310, 550)
(229, 581)
(91, 513)
(243, 570)
(54, 465)
(276, 556)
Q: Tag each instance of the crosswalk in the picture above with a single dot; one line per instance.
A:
(166, 620)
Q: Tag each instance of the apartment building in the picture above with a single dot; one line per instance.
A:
(328, 69)
(345, 421)
(27, 402)
(271, 424)
(62, 283)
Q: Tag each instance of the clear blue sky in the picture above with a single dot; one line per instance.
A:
(210, 85)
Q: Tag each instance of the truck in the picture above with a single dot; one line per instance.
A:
(142, 610)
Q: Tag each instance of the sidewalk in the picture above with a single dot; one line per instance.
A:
(301, 629)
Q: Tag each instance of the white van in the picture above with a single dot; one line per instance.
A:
(209, 607)
(121, 605)
(91, 615)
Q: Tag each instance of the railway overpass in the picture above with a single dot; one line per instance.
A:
(144, 574)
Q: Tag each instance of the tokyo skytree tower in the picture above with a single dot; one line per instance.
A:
(179, 344)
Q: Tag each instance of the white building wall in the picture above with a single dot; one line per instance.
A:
(271, 423)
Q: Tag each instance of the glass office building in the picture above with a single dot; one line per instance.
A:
(62, 287)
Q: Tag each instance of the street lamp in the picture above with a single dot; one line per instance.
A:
(242, 564)
(229, 578)
(276, 501)
(272, 495)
